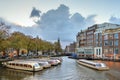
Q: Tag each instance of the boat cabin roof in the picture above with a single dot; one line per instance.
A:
(23, 62)
(90, 62)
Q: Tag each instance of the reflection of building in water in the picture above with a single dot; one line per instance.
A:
(12, 74)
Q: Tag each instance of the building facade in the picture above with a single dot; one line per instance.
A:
(85, 42)
(92, 41)
(71, 48)
(111, 43)
(98, 38)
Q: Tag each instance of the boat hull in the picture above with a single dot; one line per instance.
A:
(21, 66)
(93, 67)
(24, 69)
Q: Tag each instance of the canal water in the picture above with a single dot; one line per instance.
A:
(68, 70)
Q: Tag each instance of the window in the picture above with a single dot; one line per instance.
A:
(99, 51)
(116, 43)
(91, 32)
(96, 37)
(116, 36)
(111, 43)
(88, 51)
(111, 36)
(105, 51)
(111, 50)
(105, 37)
(96, 44)
(36, 65)
(116, 51)
(100, 44)
(100, 37)
(29, 66)
(106, 43)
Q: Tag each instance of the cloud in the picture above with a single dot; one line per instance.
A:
(31, 30)
(78, 21)
(4, 21)
(35, 13)
(90, 20)
(114, 20)
(59, 23)
(56, 23)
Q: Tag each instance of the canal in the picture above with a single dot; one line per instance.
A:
(68, 70)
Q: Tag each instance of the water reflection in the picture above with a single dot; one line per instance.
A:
(68, 70)
(113, 65)
(10, 74)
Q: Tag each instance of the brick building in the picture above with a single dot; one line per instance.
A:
(71, 48)
(111, 43)
(90, 42)
(85, 42)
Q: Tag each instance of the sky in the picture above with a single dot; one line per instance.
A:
(52, 19)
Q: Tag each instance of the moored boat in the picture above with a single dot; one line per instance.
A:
(42, 63)
(53, 62)
(45, 64)
(57, 58)
(23, 65)
(93, 65)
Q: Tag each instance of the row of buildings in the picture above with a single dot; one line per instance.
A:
(71, 48)
(99, 41)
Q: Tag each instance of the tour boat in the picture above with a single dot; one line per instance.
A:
(57, 58)
(53, 62)
(93, 65)
(23, 65)
(44, 63)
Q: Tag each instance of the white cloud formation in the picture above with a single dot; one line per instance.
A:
(114, 20)
(56, 23)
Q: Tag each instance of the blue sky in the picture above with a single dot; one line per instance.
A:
(17, 11)
(63, 21)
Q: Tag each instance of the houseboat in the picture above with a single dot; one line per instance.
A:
(23, 65)
(93, 65)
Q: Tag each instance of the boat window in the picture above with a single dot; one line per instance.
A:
(13, 63)
(40, 64)
(17, 64)
(103, 65)
(36, 65)
(21, 64)
(29, 66)
(25, 65)
(98, 65)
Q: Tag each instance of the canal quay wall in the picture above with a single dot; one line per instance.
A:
(113, 60)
